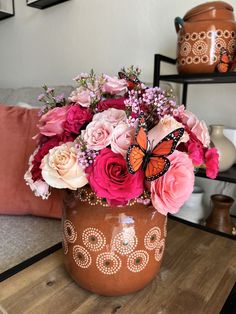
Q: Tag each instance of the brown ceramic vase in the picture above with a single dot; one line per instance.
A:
(219, 218)
(203, 34)
(108, 250)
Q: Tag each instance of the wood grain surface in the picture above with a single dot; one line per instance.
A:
(198, 273)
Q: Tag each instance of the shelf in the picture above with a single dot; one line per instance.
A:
(229, 175)
(200, 78)
(5, 15)
(43, 4)
(202, 227)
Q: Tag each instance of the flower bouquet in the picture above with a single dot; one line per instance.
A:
(128, 155)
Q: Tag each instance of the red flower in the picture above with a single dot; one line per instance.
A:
(76, 117)
(196, 153)
(212, 163)
(117, 103)
(110, 179)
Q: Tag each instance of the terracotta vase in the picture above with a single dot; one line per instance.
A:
(204, 33)
(225, 147)
(108, 250)
(219, 218)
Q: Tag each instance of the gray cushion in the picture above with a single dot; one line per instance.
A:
(28, 95)
(4, 94)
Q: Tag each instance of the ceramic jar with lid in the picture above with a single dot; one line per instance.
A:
(204, 34)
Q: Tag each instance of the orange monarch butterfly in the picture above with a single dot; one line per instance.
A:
(152, 161)
(223, 65)
(132, 81)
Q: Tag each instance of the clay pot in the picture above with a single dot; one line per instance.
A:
(219, 218)
(204, 34)
(108, 250)
(225, 147)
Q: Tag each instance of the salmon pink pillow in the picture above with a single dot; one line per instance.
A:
(17, 126)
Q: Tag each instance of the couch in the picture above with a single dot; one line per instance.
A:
(23, 236)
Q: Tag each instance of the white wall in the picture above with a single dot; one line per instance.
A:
(55, 44)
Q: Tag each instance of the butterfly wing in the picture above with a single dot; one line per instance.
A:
(137, 152)
(135, 156)
(168, 144)
(223, 65)
(158, 164)
(156, 167)
(141, 135)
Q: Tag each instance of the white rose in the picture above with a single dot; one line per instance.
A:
(166, 125)
(60, 168)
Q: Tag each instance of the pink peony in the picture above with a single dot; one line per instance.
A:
(117, 103)
(110, 179)
(123, 135)
(52, 122)
(169, 192)
(212, 163)
(76, 117)
(196, 126)
(111, 115)
(97, 134)
(114, 86)
(196, 153)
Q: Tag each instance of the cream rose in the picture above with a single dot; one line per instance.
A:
(199, 128)
(111, 115)
(61, 170)
(165, 126)
(123, 135)
(98, 134)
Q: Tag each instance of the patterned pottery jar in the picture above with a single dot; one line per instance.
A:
(112, 250)
(204, 34)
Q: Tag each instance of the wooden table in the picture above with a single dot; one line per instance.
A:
(198, 273)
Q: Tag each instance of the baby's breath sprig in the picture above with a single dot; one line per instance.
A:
(132, 71)
(86, 156)
(50, 100)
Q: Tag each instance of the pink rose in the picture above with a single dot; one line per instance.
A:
(97, 134)
(110, 178)
(114, 86)
(117, 103)
(123, 135)
(52, 122)
(111, 115)
(76, 117)
(199, 128)
(169, 192)
(84, 96)
(196, 153)
(212, 163)
(166, 125)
